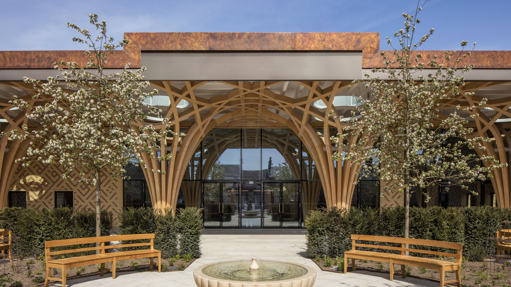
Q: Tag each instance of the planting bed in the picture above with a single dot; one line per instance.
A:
(28, 274)
(473, 274)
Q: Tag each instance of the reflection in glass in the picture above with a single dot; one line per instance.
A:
(136, 194)
(280, 155)
(251, 154)
(369, 193)
(221, 204)
(221, 154)
(251, 204)
(282, 204)
(230, 201)
(212, 204)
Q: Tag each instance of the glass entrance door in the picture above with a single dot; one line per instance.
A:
(221, 204)
(281, 204)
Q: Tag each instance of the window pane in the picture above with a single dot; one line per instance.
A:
(133, 191)
(18, 199)
(63, 199)
(280, 155)
(251, 154)
(221, 156)
(369, 193)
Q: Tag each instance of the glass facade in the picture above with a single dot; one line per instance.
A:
(250, 178)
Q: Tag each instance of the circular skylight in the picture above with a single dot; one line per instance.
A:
(182, 104)
(340, 101)
(164, 101)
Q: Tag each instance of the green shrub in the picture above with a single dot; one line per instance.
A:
(16, 284)
(166, 234)
(316, 233)
(187, 226)
(328, 261)
(38, 279)
(35, 226)
(329, 231)
(189, 222)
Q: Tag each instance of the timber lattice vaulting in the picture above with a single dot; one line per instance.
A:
(196, 108)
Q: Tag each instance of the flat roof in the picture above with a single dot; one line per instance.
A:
(365, 43)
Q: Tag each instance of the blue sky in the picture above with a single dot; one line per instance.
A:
(41, 25)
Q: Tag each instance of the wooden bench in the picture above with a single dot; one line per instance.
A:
(403, 259)
(503, 243)
(6, 243)
(101, 258)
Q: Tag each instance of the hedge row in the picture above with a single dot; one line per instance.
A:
(179, 234)
(329, 231)
(33, 227)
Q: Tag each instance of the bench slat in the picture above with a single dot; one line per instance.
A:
(424, 242)
(438, 253)
(378, 246)
(98, 248)
(89, 240)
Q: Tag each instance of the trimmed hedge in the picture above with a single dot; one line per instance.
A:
(329, 231)
(35, 226)
(174, 235)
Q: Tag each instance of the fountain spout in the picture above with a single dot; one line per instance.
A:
(254, 266)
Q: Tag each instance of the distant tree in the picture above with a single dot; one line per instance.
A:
(400, 128)
(92, 121)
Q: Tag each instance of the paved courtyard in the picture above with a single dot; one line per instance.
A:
(221, 247)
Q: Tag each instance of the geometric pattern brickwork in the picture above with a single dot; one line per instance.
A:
(391, 196)
(42, 180)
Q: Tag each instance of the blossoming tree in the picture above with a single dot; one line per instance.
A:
(400, 132)
(91, 120)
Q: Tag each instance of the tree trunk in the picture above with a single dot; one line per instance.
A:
(407, 213)
(98, 207)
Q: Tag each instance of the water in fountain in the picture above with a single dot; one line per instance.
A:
(268, 271)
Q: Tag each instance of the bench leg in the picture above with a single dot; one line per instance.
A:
(114, 268)
(151, 263)
(403, 271)
(442, 277)
(353, 264)
(159, 263)
(458, 277)
(46, 280)
(391, 265)
(10, 254)
(345, 264)
(64, 275)
(102, 270)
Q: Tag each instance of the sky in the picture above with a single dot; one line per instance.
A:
(41, 25)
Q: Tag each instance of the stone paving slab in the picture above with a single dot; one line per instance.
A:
(288, 248)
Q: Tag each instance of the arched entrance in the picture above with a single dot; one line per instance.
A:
(252, 178)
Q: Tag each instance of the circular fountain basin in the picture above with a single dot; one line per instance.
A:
(238, 274)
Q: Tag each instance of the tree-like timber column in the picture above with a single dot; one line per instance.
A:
(10, 152)
(250, 105)
(495, 148)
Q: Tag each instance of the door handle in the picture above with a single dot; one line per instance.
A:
(282, 207)
(223, 208)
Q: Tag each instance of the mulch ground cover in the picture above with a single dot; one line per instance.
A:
(32, 271)
(480, 274)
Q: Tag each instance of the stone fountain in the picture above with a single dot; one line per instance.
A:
(254, 274)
